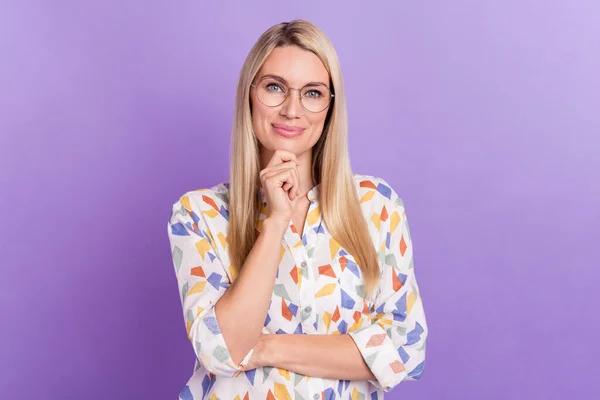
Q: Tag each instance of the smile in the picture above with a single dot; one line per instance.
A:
(287, 131)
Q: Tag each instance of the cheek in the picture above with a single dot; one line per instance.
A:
(258, 116)
(318, 121)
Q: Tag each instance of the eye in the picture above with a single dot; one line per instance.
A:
(273, 87)
(313, 94)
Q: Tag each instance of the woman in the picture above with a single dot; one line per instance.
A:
(296, 276)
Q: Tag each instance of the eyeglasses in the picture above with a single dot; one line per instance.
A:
(313, 97)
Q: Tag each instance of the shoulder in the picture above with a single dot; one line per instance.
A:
(208, 201)
(377, 191)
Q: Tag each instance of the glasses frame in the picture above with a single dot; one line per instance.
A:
(300, 97)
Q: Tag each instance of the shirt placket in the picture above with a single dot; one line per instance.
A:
(304, 263)
(306, 291)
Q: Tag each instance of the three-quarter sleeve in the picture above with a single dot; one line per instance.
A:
(393, 346)
(202, 280)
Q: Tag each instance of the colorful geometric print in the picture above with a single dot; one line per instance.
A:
(318, 290)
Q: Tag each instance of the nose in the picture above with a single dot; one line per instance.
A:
(291, 105)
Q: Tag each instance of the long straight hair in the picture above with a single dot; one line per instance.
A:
(340, 205)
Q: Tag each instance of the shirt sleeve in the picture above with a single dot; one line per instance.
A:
(202, 280)
(393, 346)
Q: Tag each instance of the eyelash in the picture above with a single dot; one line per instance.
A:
(274, 84)
(310, 91)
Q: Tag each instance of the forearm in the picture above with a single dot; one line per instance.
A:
(324, 356)
(242, 310)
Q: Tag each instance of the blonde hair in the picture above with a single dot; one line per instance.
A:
(340, 205)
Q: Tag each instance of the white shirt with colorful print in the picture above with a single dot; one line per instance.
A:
(318, 290)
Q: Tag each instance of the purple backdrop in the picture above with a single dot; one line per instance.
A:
(483, 115)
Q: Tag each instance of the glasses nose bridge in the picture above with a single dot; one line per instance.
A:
(289, 91)
(299, 93)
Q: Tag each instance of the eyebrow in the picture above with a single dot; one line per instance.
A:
(282, 80)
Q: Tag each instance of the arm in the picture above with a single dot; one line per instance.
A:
(243, 308)
(325, 356)
(223, 321)
(391, 349)
(393, 346)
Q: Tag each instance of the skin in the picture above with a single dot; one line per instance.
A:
(297, 67)
(286, 178)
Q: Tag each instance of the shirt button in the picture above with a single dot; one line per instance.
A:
(303, 264)
(308, 309)
(316, 396)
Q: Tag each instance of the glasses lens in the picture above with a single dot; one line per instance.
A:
(271, 92)
(316, 98)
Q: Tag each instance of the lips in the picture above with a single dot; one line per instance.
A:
(287, 130)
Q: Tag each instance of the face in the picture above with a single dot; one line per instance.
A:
(295, 67)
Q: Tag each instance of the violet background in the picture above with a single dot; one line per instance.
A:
(484, 116)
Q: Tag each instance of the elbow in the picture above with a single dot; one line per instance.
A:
(415, 365)
(412, 373)
(417, 372)
(210, 347)
(216, 366)
(410, 365)
(414, 356)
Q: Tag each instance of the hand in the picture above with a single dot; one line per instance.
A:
(259, 355)
(281, 182)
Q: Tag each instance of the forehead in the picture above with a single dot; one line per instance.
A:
(297, 66)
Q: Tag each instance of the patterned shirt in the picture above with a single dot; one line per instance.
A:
(318, 290)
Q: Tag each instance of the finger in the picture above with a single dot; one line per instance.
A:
(297, 186)
(269, 170)
(281, 156)
(281, 178)
(288, 185)
(292, 166)
(293, 190)
(282, 167)
(285, 165)
(287, 179)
